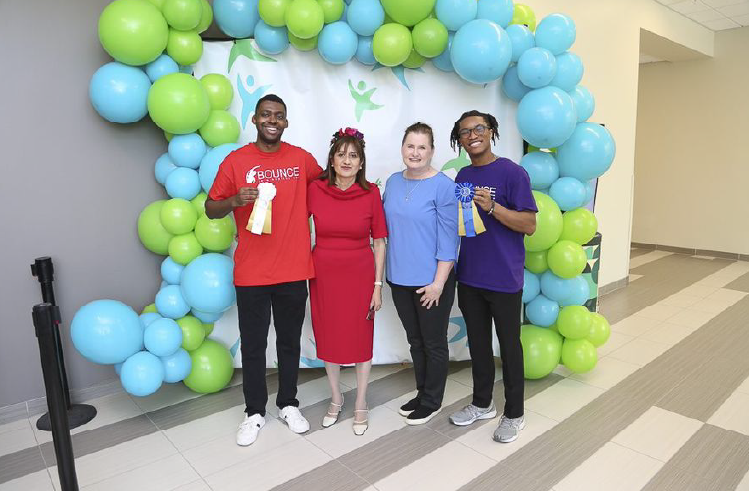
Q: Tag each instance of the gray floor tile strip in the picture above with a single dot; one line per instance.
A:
(741, 284)
(18, 464)
(639, 252)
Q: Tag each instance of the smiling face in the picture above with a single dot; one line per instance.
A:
(417, 151)
(270, 121)
(475, 135)
(346, 161)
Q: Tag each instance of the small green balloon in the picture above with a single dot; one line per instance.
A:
(219, 90)
(185, 47)
(208, 328)
(574, 322)
(198, 202)
(579, 355)
(184, 248)
(168, 136)
(430, 37)
(150, 308)
(392, 44)
(178, 216)
(182, 15)
(206, 17)
(193, 332)
(600, 330)
(212, 368)
(567, 259)
(221, 127)
(133, 31)
(157, 3)
(215, 235)
(536, 262)
(523, 15)
(151, 232)
(177, 103)
(579, 226)
(408, 13)
(531, 149)
(303, 44)
(304, 18)
(548, 224)
(542, 349)
(414, 60)
(332, 10)
(273, 12)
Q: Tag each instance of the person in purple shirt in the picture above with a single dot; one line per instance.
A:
(490, 272)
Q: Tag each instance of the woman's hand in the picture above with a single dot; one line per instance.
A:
(376, 302)
(431, 294)
(483, 198)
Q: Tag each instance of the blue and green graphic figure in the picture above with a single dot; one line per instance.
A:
(364, 99)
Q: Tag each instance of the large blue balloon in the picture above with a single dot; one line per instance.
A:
(187, 150)
(106, 331)
(163, 337)
(207, 283)
(170, 302)
(569, 71)
(541, 167)
(147, 318)
(454, 14)
(164, 166)
(443, 61)
(584, 103)
(578, 291)
(207, 317)
(590, 191)
(556, 32)
(568, 192)
(177, 366)
(337, 43)
(537, 67)
(119, 92)
(183, 183)
(588, 153)
(171, 271)
(531, 286)
(142, 374)
(163, 65)
(497, 11)
(212, 161)
(512, 87)
(236, 18)
(541, 311)
(554, 287)
(271, 40)
(522, 40)
(364, 53)
(546, 117)
(365, 16)
(481, 51)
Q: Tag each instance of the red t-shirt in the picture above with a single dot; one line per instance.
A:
(284, 254)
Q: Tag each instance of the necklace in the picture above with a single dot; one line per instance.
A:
(410, 192)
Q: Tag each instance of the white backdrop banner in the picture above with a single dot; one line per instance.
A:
(381, 102)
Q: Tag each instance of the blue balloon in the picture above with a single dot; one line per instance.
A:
(481, 51)
(512, 87)
(147, 318)
(364, 53)
(537, 67)
(207, 283)
(142, 374)
(541, 311)
(522, 40)
(118, 368)
(211, 162)
(531, 286)
(163, 284)
(171, 271)
(170, 302)
(578, 292)
(588, 153)
(568, 192)
(207, 317)
(183, 183)
(106, 331)
(164, 166)
(176, 366)
(497, 11)
(569, 71)
(119, 92)
(541, 167)
(365, 16)
(556, 32)
(554, 288)
(337, 43)
(271, 40)
(187, 150)
(590, 191)
(163, 337)
(584, 103)
(236, 18)
(546, 117)
(454, 14)
(443, 62)
(163, 65)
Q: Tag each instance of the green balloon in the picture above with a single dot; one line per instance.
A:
(414, 60)
(523, 15)
(157, 3)
(199, 203)
(177, 103)
(193, 332)
(574, 322)
(430, 37)
(531, 149)
(182, 15)
(151, 232)
(542, 349)
(535, 262)
(168, 136)
(185, 47)
(579, 355)
(579, 226)
(392, 44)
(206, 17)
(221, 127)
(273, 12)
(133, 31)
(548, 224)
(303, 44)
(178, 216)
(208, 328)
(567, 259)
(215, 235)
(332, 10)
(150, 308)
(184, 248)
(219, 90)
(600, 330)
(212, 368)
(408, 13)
(304, 18)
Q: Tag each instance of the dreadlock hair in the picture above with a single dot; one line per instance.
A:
(345, 142)
(490, 120)
(420, 129)
(271, 98)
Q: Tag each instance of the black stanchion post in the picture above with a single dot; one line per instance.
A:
(46, 318)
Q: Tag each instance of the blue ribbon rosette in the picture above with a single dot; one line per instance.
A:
(469, 221)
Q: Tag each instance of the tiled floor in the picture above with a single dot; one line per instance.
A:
(667, 407)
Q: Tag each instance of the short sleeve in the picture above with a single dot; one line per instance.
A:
(312, 169)
(519, 193)
(447, 222)
(379, 228)
(223, 185)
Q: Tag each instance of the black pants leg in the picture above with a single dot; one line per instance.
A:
(506, 313)
(289, 303)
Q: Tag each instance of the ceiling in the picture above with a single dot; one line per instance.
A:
(716, 15)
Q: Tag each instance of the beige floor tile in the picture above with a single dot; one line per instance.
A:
(167, 395)
(658, 433)
(19, 437)
(699, 290)
(563, 399)
(615, 341)
(647, 258)
(454, 391)
(16, 425)
(691, 318)
(680, 300)
(710, 306)
(199, 485)
(659, 312)
(37, 481)
(733, 414)
(203, 430)
(639, 352)
(465, 376)
(348, 375)
(634, 277)
(744, 484)
(668, 333)
(726, 295)
(167, 473)
(635, 325)
(744, 387)
(607, 373)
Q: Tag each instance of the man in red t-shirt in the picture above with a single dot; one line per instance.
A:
(270, 270)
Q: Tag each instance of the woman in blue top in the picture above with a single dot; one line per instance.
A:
(422, 219)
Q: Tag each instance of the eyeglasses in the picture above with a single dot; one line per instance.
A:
(479, 129)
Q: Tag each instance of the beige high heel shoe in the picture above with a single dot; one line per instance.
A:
(330, 418)
(361, 426)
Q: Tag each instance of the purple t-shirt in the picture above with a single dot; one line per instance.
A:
(494, 259)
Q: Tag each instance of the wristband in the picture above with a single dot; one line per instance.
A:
(491, 210)
(378, 283)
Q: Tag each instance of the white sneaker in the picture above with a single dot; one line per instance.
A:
(297, 423)
(249, 428)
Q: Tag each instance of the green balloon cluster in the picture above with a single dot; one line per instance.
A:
(536, 262)
(542, 350)
(567, 259)
(548, 224)
(193, 332)
(392, 44)
(579, 355)
(221, 127)
(304, 18)
(409, 13)
(332, 10)
(273, 12)
(178, 103)
(212, 368)
(580, 226)
(133, 31)
(219, 90)
(430, 38)
(523, 15)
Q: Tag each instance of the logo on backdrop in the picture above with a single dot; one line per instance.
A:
(249, 99)
(364, 99)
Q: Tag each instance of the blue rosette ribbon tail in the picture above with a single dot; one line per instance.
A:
(469, 221)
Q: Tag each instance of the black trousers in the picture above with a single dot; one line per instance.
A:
(479, 307)
(254, 304)
(426, 330)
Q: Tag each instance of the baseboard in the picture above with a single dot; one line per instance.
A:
(613, 286)
(734, 256)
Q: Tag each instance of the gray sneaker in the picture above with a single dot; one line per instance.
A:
(508, 429)
(472, 413)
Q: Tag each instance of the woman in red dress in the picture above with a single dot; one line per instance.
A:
(347, 287)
